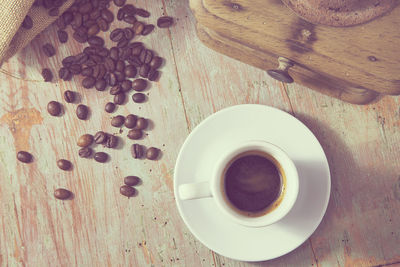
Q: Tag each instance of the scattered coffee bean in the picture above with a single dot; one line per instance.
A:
(130, 71)
(93, 30)
(47, 75)
(69, 96)
(138, 27)
(85, 152)
(118, 121)
(100, 157)
(152, 153)
(27, 23)
(131, 180)
(127, 191)
(148, 29)
(126, 85)
(112, 141)
(64, 74)
(129, 33)
(137, 151)
(130, 121)
(107, 15)
(119, 2)
(48, 50)
(24, 156)
(119, 99)
(64, 164)
(153, 75)
(120, 66)
(144, 71)
(54, 108)
(117, 35)
(135, 134)
(165, 22)
(156, 62)
(87, 71)
(100, 85)
(62, 193)
(139, 85)
(141, 124)
(85, 140)
(95, 40)
(88, 82)
(75, 69)
(146, 56)
(110, 107)
(82, 112)
(62, 36)
(100, 137)
(131, 19)
(142, 13)
(138, 97)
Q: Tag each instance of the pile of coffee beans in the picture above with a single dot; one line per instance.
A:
(126, 66)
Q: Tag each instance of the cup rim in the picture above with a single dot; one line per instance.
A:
(292, 183)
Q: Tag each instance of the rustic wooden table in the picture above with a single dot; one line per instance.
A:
(101, 227)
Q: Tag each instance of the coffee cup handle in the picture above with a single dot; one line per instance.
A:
(195, 190)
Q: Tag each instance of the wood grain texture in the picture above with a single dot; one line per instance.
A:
(100, 227)
(326, 58)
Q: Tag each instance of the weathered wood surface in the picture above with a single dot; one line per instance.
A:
(100, 227)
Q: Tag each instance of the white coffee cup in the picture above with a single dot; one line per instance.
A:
(214, 186)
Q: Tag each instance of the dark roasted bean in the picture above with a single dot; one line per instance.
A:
(119, 75)
(156, 62)
(116, 89)
(141, 124)
(137, 50)
(118, 121)
(165, 22)
(138, 27)
(131, 180)
(112, 80)
(69, 96)
(80, 37)
(64, 164)
(144, 71)
(68, 61)
(117, 35)
(135, 61)
(24, 156)
(85, 8)
(75, 69)
(95, 14)
(53, 12)
(123, 43)
(126, 85)
(137, 151)
(130, 121)
(148, 29)
(82, 112)
(100, 157)
(127, 191)
(152, 153)
(88, 82)
(95, 41)
(103, 24)
(153, 75)
(119, 99)
(85, 152)
(120, 14)
(54, 108)
(114, 53)
(107, 15)
(85, 140)
(139, 85)
(112, 141)
(48, 50)
(87, 71)
(27, 23)
(119, 2)
(131, 19)
(67, 17)
(102, 51)
(109, 107)
(109, 63)
(81, 58)
(100, 137)
(130, 71)
(65, 74)
(62, 194)
(120, 66)
(101, 85)
(62, 36)
(129, 33)
(142, 13)
(146, 56)
(138, 97)
(135, 134)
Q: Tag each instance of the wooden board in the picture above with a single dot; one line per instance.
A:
(335, 61)
(100, 227)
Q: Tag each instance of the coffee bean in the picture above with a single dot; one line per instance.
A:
(93, 30)
(24, 156)
(139, 85)
(65, 74)
(117, 35)
(138, 27)
(114, 53)
(62, 36)
(116, 90)
(82, 58)
(102, 51)
(135, 134)
(146, 56)
(118, 121)
(98, 59)
(64, 164)
(54, 108)
(129, 33)
(153, 75)
(107, 15)
(130, 121)
(126, 85)
(85, 140)
(85, 7)
(67, 62)
(82, 112)
(156, 62)
(85, 152)
(112, 141)
(67, 17)
(141, 124)
(129, 9)
(77, 21)
(119, 99)
(152, 153)
(27, 23)
(144, 70)
(103, 24)
(54, 12)
(90, 50)
(95, 40)
(127, 191)
(100, 85)
(130, 71)
(137, 50)
(120, 66)
(119, 2)
(148, 29)
(109, 63)
(80, 36)
(120, 14)
(131, 19)
(87, 71)
(123, 43)
(100, 137)
(137, 151)
(47, 75)
(119, 75)
(138, 97)
(100, 157)
(110, 107)
(142, 13)
(135, 61)
(96, 13)
(62, 194)
(131, 180)
(69, 96)
(165, 22)
(88, 82)
(75, 69)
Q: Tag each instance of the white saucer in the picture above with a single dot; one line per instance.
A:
(256, 122)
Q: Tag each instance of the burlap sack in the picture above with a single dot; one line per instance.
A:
(12, 13)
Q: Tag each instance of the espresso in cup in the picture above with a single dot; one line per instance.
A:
(253, 183)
